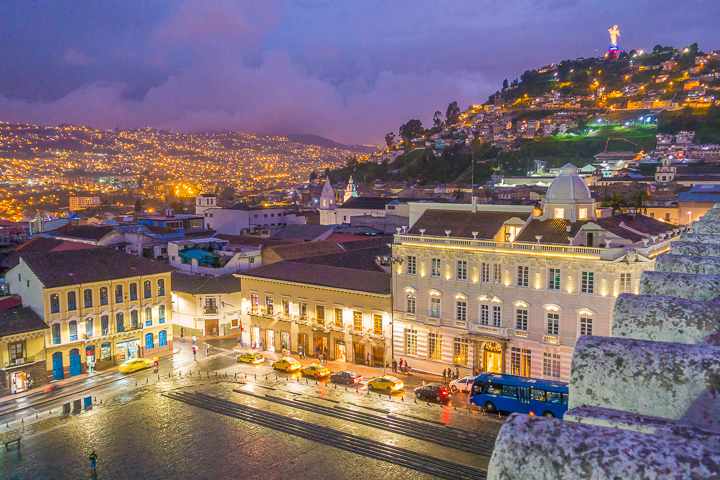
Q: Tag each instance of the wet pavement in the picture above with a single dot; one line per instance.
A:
(215, 418)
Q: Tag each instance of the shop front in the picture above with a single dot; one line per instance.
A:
(127, 350)
(321, 343)
(285, 341)
(303, 342)
(359, 353)
(340, 351)
(492, 357)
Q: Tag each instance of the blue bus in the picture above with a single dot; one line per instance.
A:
(512, 393)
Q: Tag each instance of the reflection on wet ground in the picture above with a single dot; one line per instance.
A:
(139, 433)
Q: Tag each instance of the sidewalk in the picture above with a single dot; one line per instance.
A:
(73, 380)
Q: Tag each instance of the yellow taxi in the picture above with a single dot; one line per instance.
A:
(386, 383)
(250, 357)
(286, 363)
(316, 370)
(135, 365)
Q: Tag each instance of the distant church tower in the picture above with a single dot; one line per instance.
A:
(327, 205)
(350, 190)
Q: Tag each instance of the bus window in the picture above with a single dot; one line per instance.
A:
(509, 391)
(564, 398)
(495, 389)
(479, 387)
(553, 397)
(539, 395)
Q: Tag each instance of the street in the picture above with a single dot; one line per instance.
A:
(216, 418)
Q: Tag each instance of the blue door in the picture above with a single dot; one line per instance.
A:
(148, 341)
(57, 366)
(75, 365)
(162, 338)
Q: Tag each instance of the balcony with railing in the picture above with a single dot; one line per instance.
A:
(210, 309)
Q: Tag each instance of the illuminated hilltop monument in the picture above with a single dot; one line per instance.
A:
(613, 50)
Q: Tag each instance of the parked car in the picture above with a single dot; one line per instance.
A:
(435, 390)
(462, 384)
(316, 370)
(346, 376)
(249, 357)
(135, 365)
(286, 363)
(387, 383)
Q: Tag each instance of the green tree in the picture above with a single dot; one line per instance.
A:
(616, 201)
(657, 48)
(640, 199)
(351, 163)
(452, 114)
(458, 195)
(505, 84)
(389, 138)
(313, 175)
(138, 205)
(412, 129)
(437, 118)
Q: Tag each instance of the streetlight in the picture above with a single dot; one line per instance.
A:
(240, 324)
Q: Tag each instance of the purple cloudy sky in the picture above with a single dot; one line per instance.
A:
(347, 70)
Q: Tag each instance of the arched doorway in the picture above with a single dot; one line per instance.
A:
(75, 365)
(90, 356)
(492, 357)
(162, 338)
(57, 362)
(149, 341)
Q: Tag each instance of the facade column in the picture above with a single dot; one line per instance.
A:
(503, 346)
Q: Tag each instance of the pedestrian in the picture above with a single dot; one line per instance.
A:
(194, 338)
(444, 374)
(93, 460)
(239, 341)
(194, 350)
(207, 350)
(182, 332)
(367, 360)
(394, 365)
(401, 365)
(457, 372)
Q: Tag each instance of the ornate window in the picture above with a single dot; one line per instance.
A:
(523, 276)
(554, 279)
(460, 350)
(133, 291)
(103, 296)
(411, 265)
(87, 298)
(161, 287)
(55, 303)
(434, 346)
(462, 268)
(119, 293)
(410, 342)
(587, 282)
(72, 300)
(147, 289)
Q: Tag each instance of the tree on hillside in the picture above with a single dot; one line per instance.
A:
(313, 175)
(639, 200)
(452, 114)
(389, 138)
(458, 195)
(138, 205)
(351, 163)
(412, 129)
(616, 201)
(505, 84)
(437, 118)
(177, 207)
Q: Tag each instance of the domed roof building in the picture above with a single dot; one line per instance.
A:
(568, 198)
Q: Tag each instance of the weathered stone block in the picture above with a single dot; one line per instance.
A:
(697, 238)
(698, 249)
(668, 380)
(545, 449)
(683, 285)
(666, 319)
(706, 226)
(700, 265)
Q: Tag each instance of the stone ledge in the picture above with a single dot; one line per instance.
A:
(545, 449)
(700, 249)
(683, 285)
(698, 265)
(670, 380)
(666, 319)
(699, 238)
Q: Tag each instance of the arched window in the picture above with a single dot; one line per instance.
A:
(103, 296)
(147, 289)
(55, 333)
(89, 327)
(162, 338)
(72, 300)
(161, 314)
(133, 291)
(148, 317)
(161, 287)
(105, 353)
(149, 341)
(55, 303)
(105, 324)
(134, 318)
(87, 298)
(72, 331)
(120, 322)
(119, 294)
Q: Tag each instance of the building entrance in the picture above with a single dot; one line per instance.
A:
(492, 357)
(303, 343)
(340, 351)
(321, 344)
(359, 353)
(270, 344)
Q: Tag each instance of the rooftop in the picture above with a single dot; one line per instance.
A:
(20, 320)
(198, 285)
(462, 224)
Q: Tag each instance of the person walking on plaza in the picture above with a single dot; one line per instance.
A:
(194, 338)
(93, 460)
(207, 350)
(182, 333)
(444, 374)
(401, 364)
(367, 360)
(394, 365)
(194, 350)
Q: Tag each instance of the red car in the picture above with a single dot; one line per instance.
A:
(347, 377)
(434, 390)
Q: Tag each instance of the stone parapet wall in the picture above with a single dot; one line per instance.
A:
(668, 380)
(710, 249)
(696, 264)
(666, 319)
(546, 449)
(682, 285)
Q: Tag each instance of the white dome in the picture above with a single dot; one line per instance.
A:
(568, 187)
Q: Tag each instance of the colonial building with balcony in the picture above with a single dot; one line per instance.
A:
(510, 288)
(22, 350)
(103, 306)
(339, 304)
(205, 306)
